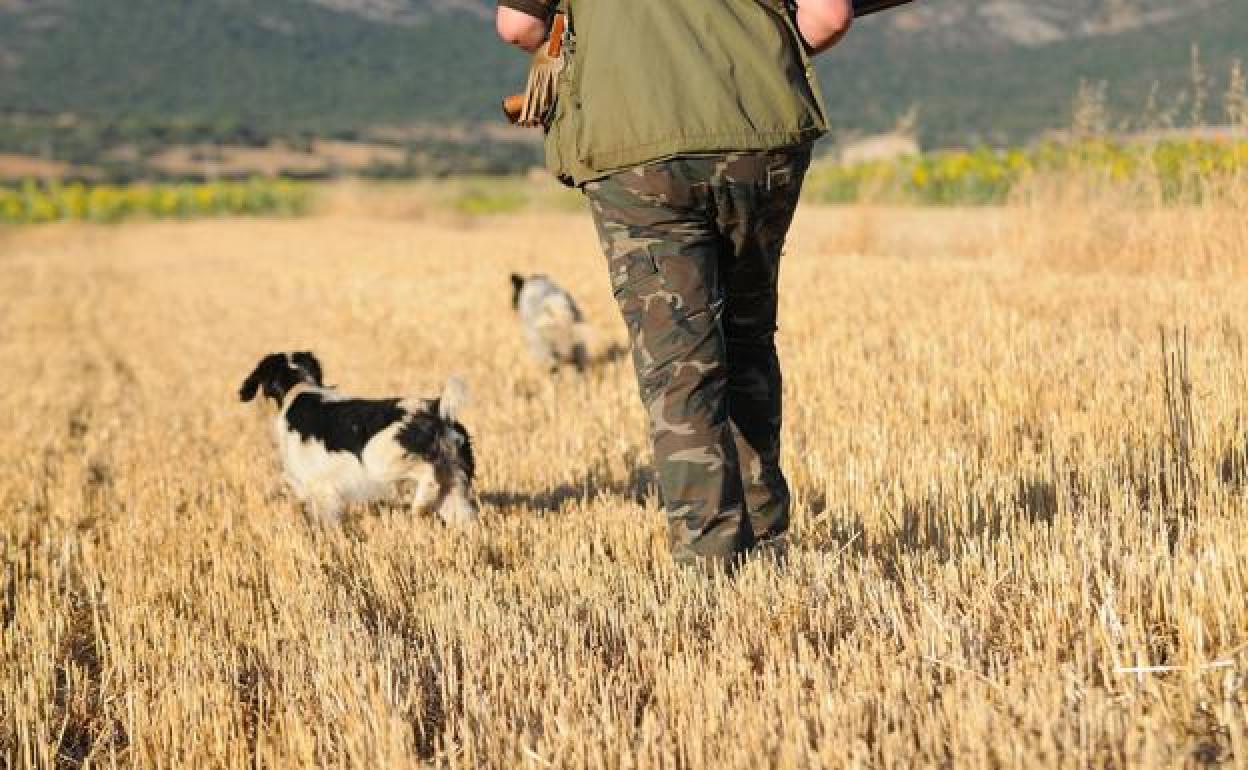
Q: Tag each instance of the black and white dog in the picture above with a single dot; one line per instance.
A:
(552, 323)
(338, 450)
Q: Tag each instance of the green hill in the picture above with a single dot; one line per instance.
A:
(166, 70)
(278, 63)
(982, 88)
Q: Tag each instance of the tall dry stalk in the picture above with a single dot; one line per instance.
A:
(1236, 97)
(1180, 478)
(1090, 113)
(1198, 79)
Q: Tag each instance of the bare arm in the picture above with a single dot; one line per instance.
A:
(520, 29)
(824, 22)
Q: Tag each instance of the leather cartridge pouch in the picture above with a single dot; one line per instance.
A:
(540, 93)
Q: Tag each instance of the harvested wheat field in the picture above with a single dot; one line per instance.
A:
(1020, 534)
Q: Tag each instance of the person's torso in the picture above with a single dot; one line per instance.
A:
(651, 79)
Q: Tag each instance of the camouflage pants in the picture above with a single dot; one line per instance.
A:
(693, 248)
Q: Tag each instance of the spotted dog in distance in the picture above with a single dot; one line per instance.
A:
(552, 323)
(337, 450)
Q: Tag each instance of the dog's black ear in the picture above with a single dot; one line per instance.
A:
(517, 284)
(266, 375)
(250, 385)
(254, 380)
(310, 365)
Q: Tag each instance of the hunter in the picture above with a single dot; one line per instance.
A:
(688, 125)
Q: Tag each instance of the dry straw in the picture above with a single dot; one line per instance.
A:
(1008, 508)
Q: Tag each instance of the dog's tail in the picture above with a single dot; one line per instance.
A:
(454, 398)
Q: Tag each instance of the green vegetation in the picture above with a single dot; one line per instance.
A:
(483, 196)
(1173, 170)
(35, 204)
(489, 199)
(102, 83)
(1169, 172)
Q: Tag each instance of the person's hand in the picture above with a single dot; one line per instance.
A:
(822, 23)
(520, 29)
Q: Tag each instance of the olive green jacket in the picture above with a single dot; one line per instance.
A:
(646, 80)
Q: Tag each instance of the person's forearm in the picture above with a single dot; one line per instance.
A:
(520, 29)
(822, 23)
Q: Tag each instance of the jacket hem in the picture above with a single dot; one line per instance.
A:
(603, 164)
